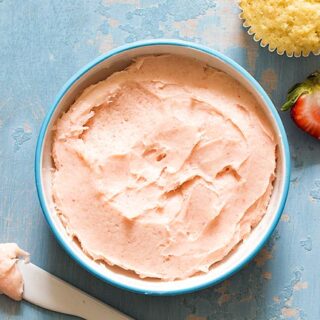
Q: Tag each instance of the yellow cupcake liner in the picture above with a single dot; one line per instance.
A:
(265, 44)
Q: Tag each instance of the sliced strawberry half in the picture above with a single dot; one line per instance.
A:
(304, 101)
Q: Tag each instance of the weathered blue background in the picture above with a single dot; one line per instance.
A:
(42, 43)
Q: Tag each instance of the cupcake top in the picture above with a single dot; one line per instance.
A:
(285, 25)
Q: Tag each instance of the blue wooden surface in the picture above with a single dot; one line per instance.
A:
(42, 43)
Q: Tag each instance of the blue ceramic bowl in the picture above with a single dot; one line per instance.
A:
(99, 69)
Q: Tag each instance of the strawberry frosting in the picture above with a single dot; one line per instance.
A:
(11, 281)
(163, 168)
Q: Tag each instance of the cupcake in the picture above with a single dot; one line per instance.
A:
(285, 26)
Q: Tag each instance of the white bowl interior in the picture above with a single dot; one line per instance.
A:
(243, 251)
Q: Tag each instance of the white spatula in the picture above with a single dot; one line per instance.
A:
(49, 292)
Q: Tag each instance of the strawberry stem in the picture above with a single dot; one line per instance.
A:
(293, 96)
(298, 90)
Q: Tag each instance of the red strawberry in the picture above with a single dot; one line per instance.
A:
(304, 101)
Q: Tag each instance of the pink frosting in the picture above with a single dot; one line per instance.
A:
(163, 168)
(11, 281)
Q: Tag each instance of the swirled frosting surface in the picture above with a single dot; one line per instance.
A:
(163, 168)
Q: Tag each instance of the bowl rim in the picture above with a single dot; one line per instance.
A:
(158, 42)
